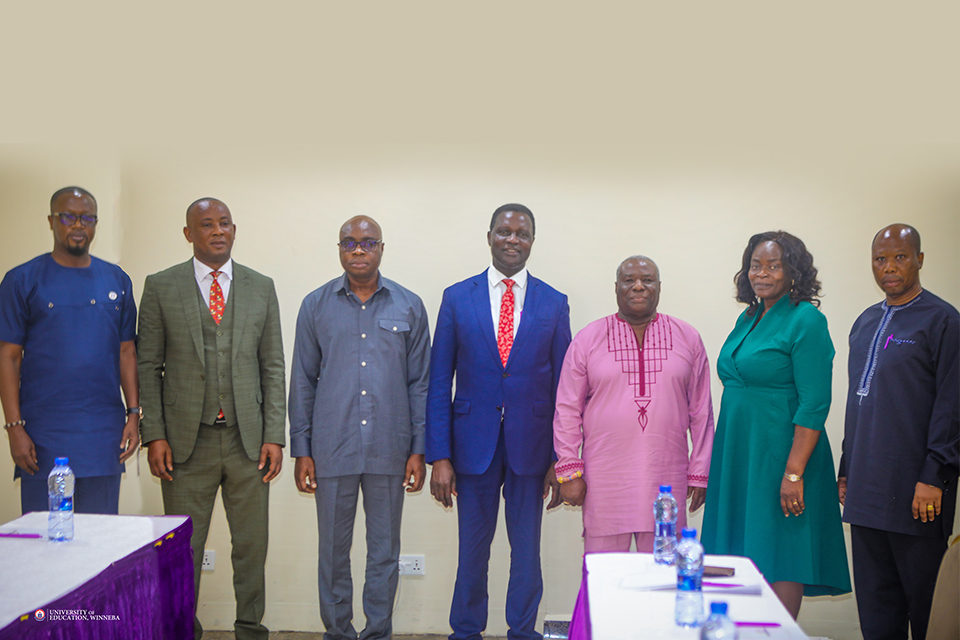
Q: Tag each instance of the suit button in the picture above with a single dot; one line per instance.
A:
(506, 375)
(499, 408)
(219, 333)
(220, 375)
(203, 377)
(220, 353)
(363, 422)
(364, 392)
(221, 396)
(363, 335)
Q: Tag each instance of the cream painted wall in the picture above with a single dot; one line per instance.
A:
(690, 208)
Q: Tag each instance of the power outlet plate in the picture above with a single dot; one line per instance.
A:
(209, 558)
(412, 566)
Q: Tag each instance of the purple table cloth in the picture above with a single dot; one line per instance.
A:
(147, 594)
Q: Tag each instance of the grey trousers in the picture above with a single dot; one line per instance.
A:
(219, 461)
(336, 513)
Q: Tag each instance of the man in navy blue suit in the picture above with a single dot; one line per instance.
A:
(503, 334)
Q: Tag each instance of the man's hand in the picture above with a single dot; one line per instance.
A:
(443, 482)
(22, 449)
(160, 458)
(275, 453)
(415, 473)
(550, 481)
(130, 439)
(573, 492)
(842, 490)
(697, 496)
(926, 502)
(304, 473)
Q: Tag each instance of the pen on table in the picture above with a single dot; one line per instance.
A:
(20, 535)
(757, 624)
(725, 585)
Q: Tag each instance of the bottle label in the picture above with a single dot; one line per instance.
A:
(689, 583)
(664, 529)
(66, 504)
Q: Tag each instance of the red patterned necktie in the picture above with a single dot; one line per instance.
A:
(216, 308)
(505, 328)
(216, 298)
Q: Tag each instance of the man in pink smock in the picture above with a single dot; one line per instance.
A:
(633, 384)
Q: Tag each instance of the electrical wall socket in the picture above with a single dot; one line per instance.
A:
(412, 566)
(209, 558)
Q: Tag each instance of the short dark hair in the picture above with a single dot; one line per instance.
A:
(516, 208)
(913, 235)
(198, 201)
(64, 191)
(798, 266)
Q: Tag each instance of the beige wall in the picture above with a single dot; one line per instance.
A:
(690, 208)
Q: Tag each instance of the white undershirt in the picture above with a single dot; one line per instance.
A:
(204, 276)
(498, 288)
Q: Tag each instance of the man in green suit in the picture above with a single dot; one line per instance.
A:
(212, 391)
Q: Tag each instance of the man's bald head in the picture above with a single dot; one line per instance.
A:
(361, 222)
(202, 205)
(638, 259)
(899, 230)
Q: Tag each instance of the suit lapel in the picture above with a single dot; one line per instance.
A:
(527, 317)
(481, 305)
(239, 288)
(187, 285)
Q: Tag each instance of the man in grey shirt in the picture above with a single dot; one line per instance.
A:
(358, 394)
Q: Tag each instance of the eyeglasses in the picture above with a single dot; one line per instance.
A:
(70, 219)
(351, 245)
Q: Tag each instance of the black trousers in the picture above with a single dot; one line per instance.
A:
(895, 575)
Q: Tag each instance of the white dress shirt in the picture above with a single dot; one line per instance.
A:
(498, 288)
(204, 276)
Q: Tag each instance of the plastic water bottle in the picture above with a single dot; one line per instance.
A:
(665, 527)
(689, 612)
(60, 485)
(718, 626)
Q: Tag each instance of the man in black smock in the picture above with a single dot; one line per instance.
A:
(898, 474)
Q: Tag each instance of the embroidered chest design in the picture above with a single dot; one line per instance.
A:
(641, 365)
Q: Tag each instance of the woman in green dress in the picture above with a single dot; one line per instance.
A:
(773, 493)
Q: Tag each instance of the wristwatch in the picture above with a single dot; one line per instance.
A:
(133, 410)
(792, 477)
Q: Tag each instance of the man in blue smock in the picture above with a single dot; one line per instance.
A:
(898, 473)
(67, 329)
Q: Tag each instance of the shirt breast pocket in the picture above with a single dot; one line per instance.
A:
(393, 337)
(398, 327)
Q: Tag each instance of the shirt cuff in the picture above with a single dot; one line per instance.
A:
(696, 481)
(567, 469)
(299, 446)
(933, 474)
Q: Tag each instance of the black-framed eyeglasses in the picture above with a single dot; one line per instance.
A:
(351, 245)
(70, 219)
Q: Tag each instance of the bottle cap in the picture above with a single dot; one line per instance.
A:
(665, 488)
(689, 533)
(718, 607)
(61, 462)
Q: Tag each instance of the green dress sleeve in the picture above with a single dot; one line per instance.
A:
(812, 356)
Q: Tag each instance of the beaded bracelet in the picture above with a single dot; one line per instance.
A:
(573, 476)
(19, 423)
